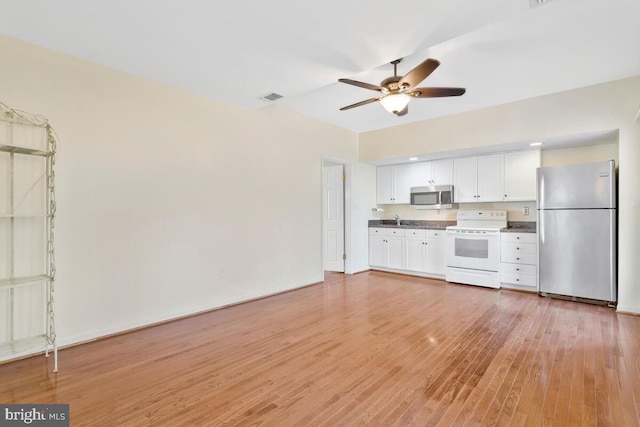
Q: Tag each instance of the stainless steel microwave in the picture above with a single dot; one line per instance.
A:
(432, 197)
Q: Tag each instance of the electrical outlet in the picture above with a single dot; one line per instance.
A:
(525, 210)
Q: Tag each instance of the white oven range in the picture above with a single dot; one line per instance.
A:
(472, 248)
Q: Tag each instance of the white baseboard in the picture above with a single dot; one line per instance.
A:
(628, 309)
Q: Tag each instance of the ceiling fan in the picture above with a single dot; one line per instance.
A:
(397, 91)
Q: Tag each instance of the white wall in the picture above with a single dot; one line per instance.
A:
(363, 199)
(158, 189)
(603, 107)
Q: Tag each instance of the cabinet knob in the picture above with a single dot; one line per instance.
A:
(517, 259)
(517, 280)
(517, 249)
(518, 238)
(517, 269)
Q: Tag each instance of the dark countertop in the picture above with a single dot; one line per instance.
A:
(411, 223)
(512, 226)
(520, 227)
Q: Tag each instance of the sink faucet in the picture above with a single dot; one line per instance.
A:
(397, 218)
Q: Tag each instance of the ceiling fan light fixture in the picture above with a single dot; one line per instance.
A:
(395, 102)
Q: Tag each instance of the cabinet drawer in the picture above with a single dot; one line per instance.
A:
(395, 232)
(378, 231)
(526, 269)
(518, 279)
(517, 258)
(518, 237)
(520, 248)
(418, 234)
(434, 234)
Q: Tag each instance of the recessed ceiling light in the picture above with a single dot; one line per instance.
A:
(413, 159)
(535, 144)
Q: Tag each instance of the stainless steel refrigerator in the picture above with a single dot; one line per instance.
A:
(577, 230)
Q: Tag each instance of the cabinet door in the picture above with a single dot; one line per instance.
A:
(402, 184)
(421, 174)
(490, 178)
(414, 250)
(385, 185)
(465, 178)
(395, 252)
(377, 251)
(520, 175)
(435, 256)
(442, 172)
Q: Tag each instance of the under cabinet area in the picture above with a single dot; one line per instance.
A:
(519, 259)
(414, 251)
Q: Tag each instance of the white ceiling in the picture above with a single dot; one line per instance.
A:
(238, 51)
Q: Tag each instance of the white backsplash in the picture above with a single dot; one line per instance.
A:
(514, 211)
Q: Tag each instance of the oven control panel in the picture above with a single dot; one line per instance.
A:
(480, 219)
(465, 215)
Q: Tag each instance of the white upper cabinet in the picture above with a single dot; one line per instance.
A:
(394, 183)
(520, 175)
(490, 178)
(465, 180)
(421, 174)
(478, 179)
(442, 172)
(435, 172)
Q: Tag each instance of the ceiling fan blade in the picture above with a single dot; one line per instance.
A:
(437, 92)
(419, 73)
(404, 111)
(361, 84)
(358, 104)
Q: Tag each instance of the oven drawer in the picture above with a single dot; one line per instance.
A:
(519, 258)
(520, 248)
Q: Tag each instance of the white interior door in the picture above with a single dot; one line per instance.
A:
(333, 218)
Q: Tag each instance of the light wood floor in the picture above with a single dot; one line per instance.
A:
(372, 349)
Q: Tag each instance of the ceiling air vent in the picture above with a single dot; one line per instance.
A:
(536, 3)
(272, 97)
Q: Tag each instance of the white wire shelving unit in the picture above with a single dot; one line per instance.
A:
(27, 257)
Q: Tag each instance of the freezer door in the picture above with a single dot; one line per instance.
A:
(577, 253)
(579, 186)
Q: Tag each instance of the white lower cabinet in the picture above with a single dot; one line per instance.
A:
(519, 259)
(411, 250)
(424, 250)
(386, 247)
